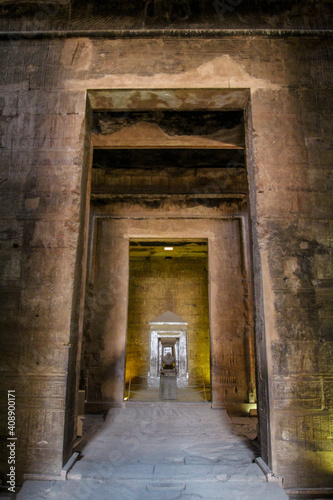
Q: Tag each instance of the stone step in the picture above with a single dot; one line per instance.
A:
(168, 472)
(166, 487)
(162, 451)
(106, 471)
(143, 490)
(248, 472)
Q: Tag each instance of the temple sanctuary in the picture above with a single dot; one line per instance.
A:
(166, 237)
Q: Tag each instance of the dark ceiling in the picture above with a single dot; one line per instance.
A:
(171, 122)
(38, 15)
(164, 158)
(180, 248)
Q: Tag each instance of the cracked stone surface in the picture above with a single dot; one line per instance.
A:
(161, 451)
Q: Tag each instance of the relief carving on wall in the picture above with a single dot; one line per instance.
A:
(166, 10)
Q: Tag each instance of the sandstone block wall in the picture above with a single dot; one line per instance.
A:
(43, 93)
(179, 285)
(123, 293)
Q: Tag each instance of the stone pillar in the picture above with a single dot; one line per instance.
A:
(108, 318)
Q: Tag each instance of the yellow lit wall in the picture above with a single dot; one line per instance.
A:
(158, 284)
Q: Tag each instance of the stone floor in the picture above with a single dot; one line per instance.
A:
(161, 451)
(185, 395)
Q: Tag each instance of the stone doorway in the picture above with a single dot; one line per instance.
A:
(169, 278)
(150, 183)
(168, 337)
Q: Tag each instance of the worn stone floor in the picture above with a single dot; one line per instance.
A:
(161, 451)
(185, 395)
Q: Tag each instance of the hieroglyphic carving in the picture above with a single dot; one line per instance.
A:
(312, 432)
(328, 393)
(230, 381)
(167, 11)
(315, 432)
(263, 397)
(304, 393)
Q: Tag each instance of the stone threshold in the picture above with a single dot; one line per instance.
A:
(309, 493)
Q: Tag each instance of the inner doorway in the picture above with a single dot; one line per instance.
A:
(181, 175)
(168, 310)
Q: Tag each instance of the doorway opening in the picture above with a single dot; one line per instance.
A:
(168, 175)
(168, 315)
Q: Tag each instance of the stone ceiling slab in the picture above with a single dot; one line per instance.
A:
(172, 99)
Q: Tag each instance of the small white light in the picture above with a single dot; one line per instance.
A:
(168, 248)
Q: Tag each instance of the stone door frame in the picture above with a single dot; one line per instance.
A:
(196, 99)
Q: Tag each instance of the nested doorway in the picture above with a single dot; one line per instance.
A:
(167, 174)
(232, 371)
(168, 311)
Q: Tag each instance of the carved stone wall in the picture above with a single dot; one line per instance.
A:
(158, 285)
(114, 315)
(138, 15)
(289, 155)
